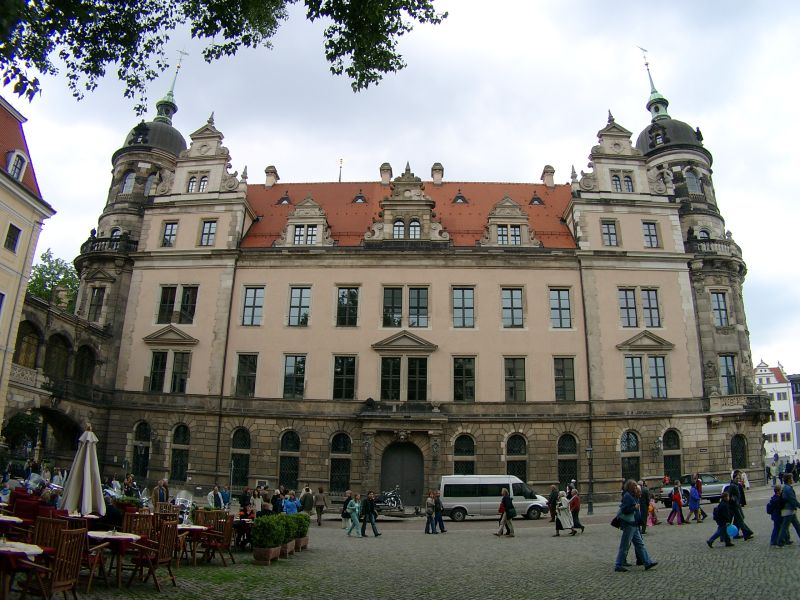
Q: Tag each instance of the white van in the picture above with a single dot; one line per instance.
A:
(479, 495)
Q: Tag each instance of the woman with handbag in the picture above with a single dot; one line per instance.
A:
(507, 514)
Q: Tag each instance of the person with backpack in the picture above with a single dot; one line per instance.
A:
(774, 507)
(737, 501)
(722, 517)
(677, 505)
(788, 511)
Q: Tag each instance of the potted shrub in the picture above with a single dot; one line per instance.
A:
(302, 523)
(289, 529)
(267, 535)
(128, 503)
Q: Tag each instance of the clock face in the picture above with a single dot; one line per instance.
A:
(616, 147)
(203, 149)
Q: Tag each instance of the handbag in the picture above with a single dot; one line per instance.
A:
(511, 512)
(616, 522)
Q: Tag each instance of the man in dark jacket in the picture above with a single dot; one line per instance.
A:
(722, 517)
(438, 510)
(629, 516)
(644, 505)
(369, 514)
(552, 500)
(737, 501)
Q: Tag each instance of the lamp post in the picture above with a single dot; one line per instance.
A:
(590, 499)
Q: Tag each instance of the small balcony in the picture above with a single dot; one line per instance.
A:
(711, 247)
(121, 244)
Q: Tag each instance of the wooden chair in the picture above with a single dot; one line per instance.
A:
(62, 575)
(152, 554)
(217, 541)
(92, 558)
(167, 507)
(208, 518)
(77, 523)
(46, 533)
(138, 523)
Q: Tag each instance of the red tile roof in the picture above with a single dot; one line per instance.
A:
(12, 137)
(779, 376)
(465, 222)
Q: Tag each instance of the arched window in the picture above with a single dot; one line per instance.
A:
(399, 230)
(141, 449)
(615, 183)
(190, 187)
(630, 455)
(739, 452)
(341, 449)
(464, 456)
(150, 185)
(693, 183)
(240, 457)
(567, 459)
(28, 341)
(180, 453)
(517, 456)
(289, 464)
(659, 139)
(85, 363)
(56, 357)
(127, 183)
(628, 183)
(703, 235)
(414, 230)
(203, 184)
(671, 443)
(116, 233)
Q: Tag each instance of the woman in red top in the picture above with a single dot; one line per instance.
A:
(677, 505)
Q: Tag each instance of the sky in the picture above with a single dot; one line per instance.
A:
(494, 93)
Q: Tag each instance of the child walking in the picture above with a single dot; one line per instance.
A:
(722, 517)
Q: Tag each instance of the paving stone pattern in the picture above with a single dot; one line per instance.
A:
(469, 562)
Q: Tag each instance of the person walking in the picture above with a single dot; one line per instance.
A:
(430, 522)
(307, 500)
(320, 504)
(369, 514)
(694, 503)
(348, 495)
(258, 501)
(563, 515)
(291, 505)
(722, 516)
(552, 502)
(699, 485)
(507, 514)
(277, 501)
(629, 516)
(774, 507)
(575, 509)
(737, 501)
(353, 510)
(677, 505)
(788, 511)
(644, 505)
(438, 510)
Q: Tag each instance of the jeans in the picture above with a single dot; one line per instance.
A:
(738, 520)
(631, 534)
(369, 518)
(430, 524)
(722, 533)
(353, 524)
(437, 517)
(783, 535)
(776, 527)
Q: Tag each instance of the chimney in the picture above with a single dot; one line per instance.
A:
(547, 176)
(272, 176)
(386, 173)
(437, 172)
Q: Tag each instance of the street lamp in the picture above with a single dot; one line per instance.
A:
(591, 481)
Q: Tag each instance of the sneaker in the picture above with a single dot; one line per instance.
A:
(650, 566)
(378, 534)
(709, 544)
(729, 545)
(620, 569)
(748, 537)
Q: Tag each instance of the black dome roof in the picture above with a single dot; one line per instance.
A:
(674, 134)
(156, 134)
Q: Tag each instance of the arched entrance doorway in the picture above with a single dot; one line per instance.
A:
(402, 465)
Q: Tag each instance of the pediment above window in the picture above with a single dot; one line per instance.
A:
(405, 342)
(646, 342)
(306, 225)
(100, 275)
(170, 336)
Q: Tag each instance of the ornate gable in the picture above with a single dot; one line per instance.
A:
(508, 226)
(405, 342)
(170, 336)
(306, 225)
(646, 342)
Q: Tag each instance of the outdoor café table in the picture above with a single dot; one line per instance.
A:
(7, 521)
(9, 553)
(242, 528)
(195, 533)
(119, 541)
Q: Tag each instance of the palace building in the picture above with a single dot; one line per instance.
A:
(371, 334)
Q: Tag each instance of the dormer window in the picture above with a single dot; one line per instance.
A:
(693, 183)
(628, 183)
(459, 198)
(127, 183)
(203, 184)
(414, 230)
(284, 199)
(399, 230)
(659, 139)
(509, 235)
(359, 198)
(536, 200)
(305, 235)
(16, 166)
(192, 185)
(616, 184)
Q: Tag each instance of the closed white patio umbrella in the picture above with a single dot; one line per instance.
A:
(83, 489)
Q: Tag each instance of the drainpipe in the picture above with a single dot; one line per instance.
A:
(590, 448)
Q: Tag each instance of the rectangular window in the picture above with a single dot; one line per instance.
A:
(719, 308)
(634, 378)
(564, 369)
(512, 307)
(417, 379)
(208, 233)
(96, 303)
(516, 235)
(12, 238)
(299, 306)
(180, 372)
(294, 376)
(650, 231)
(650, 310)
(347, 307)
(390, 378)
(170, 235)
(253, 309)
(418, 307)
(627, 307)
(609, 233)
(188, 304)
(166, 305)
(246, 375)
(299, 234)
(311, 235)
(502, 235)
(783, 416)
(463, 307)
(464, 379)
(392, 306)
(158, 371)
(344, 378)
(515, 379)
(658, 376)
(560, 313)
(786, 437)
(727, 374)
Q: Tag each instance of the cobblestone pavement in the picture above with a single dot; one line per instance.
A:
(469, 562)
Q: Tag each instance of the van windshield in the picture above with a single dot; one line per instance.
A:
(521, 490)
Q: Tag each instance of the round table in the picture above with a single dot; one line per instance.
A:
(10, 519)
(119, 545)
(195, 532)
(8, 552)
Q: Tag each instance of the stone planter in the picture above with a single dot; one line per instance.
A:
(287, 549)
(265, 556)
(301, 543)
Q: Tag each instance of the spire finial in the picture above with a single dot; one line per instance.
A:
(211, 119)
(656, 104)
(166, 107)
(610, 117)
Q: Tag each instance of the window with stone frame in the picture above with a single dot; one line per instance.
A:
(191, 185)
(294, 376)
(240, 457)
(166, 305)
(390, 377)
(464, 455)
(179, 462)
(29, 340)
(628, 182)
(634, 378)
(719, 309)
(344, 377)
(399, 229)
(463, 307)
(417, 379)
(340, 460)
(616, 184)
(141, 449)
(289, 460)
(608, 231)
(627, 307)
(651, 311)
(208, 232)
(514, 373)
(347, 307)
(672, 457)
(564, 372)
(203, 184)
(253, 309)
(512, 308)
(246, 375)
(17, 166)
(170, 234)
(188, 304)
(464, 379)
(517, 456)
(693, 185)
(630, 456)
(392, 306)
(418, 307)
(12, 238)
(127, 183)
(97, 294)
(414, 230)
(299, 306)
(650, 234)
(560, 310)
(181, 361)
(567, 457)
(727, 374)
(158, 370)
(657, 371)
